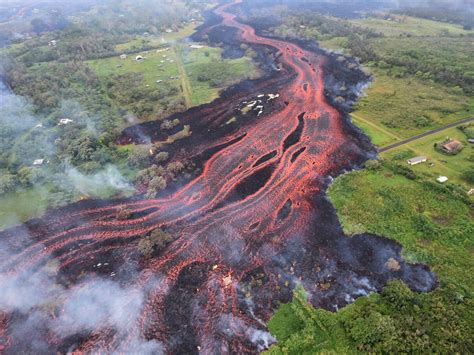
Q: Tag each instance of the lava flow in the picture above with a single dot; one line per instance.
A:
(250, 228)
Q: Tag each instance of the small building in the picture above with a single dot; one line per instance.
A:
(139, 58)
(146, 34)
(65, 121)
(470, 192)
(159, 81)
(452, 146)
(471, 140)
(53, 43)
(38, 162)
(196, 46)
(417, 160)
(39, 125)
(123, 56)
(442, 179)
(168, 30)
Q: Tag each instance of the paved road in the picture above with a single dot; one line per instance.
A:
(414, 138)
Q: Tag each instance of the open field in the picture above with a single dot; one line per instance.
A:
(402, 112)
(434, 226)
(445, 165)
(406, 25)
(180, 68)
(159, 39)
(17, 207)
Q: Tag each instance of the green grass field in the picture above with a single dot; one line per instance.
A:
(445, 165)
(179, 67)
(404, 107)
(403, 25)
(17, 207)
(158, 40)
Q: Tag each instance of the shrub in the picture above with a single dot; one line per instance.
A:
(157, 240)
(373, 164)
(161, 157)
(7, 183)
(123, 214)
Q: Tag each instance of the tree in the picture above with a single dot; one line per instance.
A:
(7, 183)
(161, 157)
(28, 176)
(38, 25)
(139, 157)
(156, 241)
(468, 176)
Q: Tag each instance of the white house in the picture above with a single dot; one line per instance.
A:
(417, 160)
(65, 121)
(123, 56)
(139, 58)
(38, 162)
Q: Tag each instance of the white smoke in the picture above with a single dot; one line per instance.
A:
(95, 184)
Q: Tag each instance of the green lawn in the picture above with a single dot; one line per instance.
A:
(197, 61)
(154, 67)
(446, 165)
(379, 135)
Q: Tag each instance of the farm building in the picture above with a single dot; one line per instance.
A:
(123, 56)
(139, 58)
(452, 146)
(38, 162)
(196, 46)
(417, 160)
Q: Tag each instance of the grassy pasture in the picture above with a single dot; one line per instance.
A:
(445, 165)
(407, 25)
(408, 106)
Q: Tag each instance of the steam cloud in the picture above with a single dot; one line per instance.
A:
(110, 177)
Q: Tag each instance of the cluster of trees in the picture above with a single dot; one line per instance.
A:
(395, 321)
(441, 59)
(441, 12)
(156, 241)
(313, 26)
(129, 92)
(156, 178)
